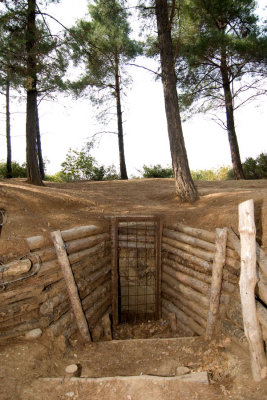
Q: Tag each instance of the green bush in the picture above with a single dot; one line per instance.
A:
(220, 174)
(156, 171)
(57, 177)
(254, 168)
(111, 173)
(80, 165)
(18, 171)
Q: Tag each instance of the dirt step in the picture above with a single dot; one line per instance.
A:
(135, 357)
(188, 387)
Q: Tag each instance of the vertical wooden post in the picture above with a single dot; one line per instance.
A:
(216, 280)
(247, 283)
(114, 272)
(158, 240)
(71, 285)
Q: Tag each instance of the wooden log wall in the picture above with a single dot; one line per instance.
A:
(187, 258)
(37, 295)
(260, 290)
(41, 300)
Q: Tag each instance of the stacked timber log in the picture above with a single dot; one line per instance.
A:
(260, 290)
(187, 267)
(42, 301)
(187, 264)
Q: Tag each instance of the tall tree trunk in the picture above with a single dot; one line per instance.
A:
(33, 172)
(8, 135)
(123, 170)
(185, 187)
(39, 145)
(228, 99)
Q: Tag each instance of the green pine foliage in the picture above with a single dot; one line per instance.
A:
(254, 168)
(206, 32)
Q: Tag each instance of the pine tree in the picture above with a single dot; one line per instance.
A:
(219, 45)
(103, 46)
(185, 187)
(36, 64)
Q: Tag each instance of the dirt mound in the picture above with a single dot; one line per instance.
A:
(32, 210)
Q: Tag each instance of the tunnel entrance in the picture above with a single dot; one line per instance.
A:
(136, 269)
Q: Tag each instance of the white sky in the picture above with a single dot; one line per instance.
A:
(68, 123)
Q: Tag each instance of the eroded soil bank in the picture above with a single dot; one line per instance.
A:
(32, 210)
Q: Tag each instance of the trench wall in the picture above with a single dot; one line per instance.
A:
(37, 297)
(187, 259)
(41, 300)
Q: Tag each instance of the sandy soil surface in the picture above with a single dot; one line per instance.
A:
(24, 364)
(31, 210)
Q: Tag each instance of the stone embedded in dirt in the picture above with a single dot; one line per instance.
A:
(225, 343)
(182, 371)
(73, 370)
(34, 334)
(62, 343)
(70, 394)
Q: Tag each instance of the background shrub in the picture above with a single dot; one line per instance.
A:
(254, 168)
(156, 171)
(219, 174)
(18, 170)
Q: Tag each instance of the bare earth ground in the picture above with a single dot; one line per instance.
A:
(146, 363)
(31, 211)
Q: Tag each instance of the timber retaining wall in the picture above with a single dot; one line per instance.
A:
(41, 300)
(33, 292)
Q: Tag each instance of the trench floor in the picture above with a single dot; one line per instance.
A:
(130, 369)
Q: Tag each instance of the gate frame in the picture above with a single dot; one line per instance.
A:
(115, 265)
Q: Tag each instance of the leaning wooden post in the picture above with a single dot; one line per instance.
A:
(247, 283)
(71, 285)
(216, 280)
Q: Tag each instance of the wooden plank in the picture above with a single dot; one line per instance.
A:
(158, 267)
(135, 245)
(71, 285)
(193, 305)
(161, 381)
(193, 241)
(261, 257)
(182, 317)
(198, 233)
(114, 270)
(85, 243)
(200, 253)
(216, 280)
(38, 242)
(81, 232)
(187, 280)
(15, 268)
(262, 314)
(186, 291)
(248, 280)
(187, 257)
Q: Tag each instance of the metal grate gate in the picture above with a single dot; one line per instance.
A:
(136, 267)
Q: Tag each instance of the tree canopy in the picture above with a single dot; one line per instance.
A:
(103, 47)
(221, 63)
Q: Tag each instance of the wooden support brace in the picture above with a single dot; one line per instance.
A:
(216, 280)
(71, 285)
(247, 283)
